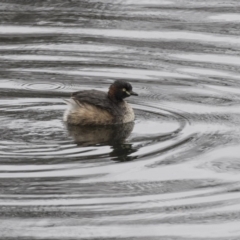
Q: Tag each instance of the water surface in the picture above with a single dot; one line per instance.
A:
(173, 173)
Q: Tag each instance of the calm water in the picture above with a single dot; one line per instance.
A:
(174, 173)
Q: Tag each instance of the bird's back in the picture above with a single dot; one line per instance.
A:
(90, 107)
(93, 97)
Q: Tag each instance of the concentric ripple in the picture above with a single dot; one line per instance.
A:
(36, 126)
(43, 86)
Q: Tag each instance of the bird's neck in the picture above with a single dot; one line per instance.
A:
(113, 96)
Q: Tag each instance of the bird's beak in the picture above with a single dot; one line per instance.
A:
(133, 93)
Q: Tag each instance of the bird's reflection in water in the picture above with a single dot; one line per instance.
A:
(113, 136)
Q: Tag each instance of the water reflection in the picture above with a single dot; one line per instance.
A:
(113, 136)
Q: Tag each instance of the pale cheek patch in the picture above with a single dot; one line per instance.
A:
(124, 90)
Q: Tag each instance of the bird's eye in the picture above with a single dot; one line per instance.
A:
(124, 89)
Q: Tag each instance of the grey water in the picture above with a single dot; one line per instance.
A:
(173, 174)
